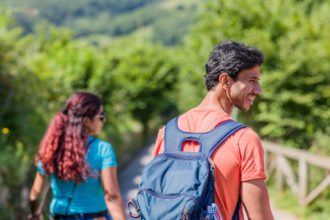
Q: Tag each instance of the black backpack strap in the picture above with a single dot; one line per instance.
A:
(208, 141)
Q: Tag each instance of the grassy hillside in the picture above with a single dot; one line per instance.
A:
(166, 20)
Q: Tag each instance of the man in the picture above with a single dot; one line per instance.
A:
(232, 80)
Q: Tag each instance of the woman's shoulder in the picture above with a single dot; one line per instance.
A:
(100, 146)
(94, 141)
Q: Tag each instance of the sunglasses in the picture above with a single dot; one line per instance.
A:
(101, 116)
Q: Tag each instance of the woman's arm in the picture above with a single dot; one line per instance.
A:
(37, 196)
(112, 194)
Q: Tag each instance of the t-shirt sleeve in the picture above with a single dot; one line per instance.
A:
(159, 144)
(108, 156)
(40, 169)
(252, 156)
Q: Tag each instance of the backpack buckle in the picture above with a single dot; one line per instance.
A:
(131, 204)
(185, 215)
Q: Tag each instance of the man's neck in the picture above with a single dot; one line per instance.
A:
(213, 100)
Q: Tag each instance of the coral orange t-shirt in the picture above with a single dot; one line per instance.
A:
(240, 158)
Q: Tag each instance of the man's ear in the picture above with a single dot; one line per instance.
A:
(225, 80)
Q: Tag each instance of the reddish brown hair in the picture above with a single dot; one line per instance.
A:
(63, 148)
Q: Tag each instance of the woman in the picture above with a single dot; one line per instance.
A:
(82, 168)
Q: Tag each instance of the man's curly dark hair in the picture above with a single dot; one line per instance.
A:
(230, 57)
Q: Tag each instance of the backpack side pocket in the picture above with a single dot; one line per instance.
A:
(156, 206)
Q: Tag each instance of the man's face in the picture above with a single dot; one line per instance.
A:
(245, 89)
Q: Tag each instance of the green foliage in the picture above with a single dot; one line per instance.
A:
(173, 23)
(294, 36)
(154, 76)
(140, 81)
(17, 105)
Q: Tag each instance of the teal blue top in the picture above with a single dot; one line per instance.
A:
(88, 196)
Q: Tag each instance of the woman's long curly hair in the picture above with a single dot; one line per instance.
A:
(63, 148)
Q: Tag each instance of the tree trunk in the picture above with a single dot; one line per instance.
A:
(145, 133)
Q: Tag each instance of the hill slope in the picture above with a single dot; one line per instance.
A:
(168, 20)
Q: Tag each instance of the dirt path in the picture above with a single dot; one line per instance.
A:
(130, 177)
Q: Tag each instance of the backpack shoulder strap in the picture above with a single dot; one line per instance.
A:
(214, 138)
(208, 141)
(174, 137)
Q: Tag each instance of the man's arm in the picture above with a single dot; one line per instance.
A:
(256, 200)
(159, 144)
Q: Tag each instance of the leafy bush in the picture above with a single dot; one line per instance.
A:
(294, 36)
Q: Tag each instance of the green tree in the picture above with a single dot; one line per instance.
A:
(17, 102)
(148, 77)
(294, 36)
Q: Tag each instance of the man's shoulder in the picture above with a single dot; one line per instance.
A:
(247, 133)
(246, 138)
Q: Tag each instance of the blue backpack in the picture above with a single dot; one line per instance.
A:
(180, 185)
